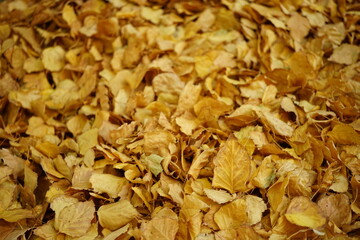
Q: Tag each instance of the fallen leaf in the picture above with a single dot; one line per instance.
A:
(232, 215)
(232, 167)
(75, 219)
(53, 58)
(116, 215)
(164, 225)
(336, 208)
(345, 54)
(303, 212)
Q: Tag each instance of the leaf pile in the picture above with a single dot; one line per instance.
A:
(165, 119)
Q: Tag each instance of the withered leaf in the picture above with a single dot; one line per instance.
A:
(337, 208)
(345, 54)
(164, 225)
(232, 215)
(107, 183)
(303, 212)
(232, 167)
(75, 219)
(115, 215)
(53, 58)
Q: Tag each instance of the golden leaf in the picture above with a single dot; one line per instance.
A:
(255, 206)
(232, 215)
(107, 183)
(199, 162)
(17, 214)
(163, 226)
(303, 212)
(75, 219)
(115, 215)
(87, 140)
(344, 134)
(232, 167)
(218, 196)
(53, 58)
(168, 83)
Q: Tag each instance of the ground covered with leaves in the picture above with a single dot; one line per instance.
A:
(165, 119)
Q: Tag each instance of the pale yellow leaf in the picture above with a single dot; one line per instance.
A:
(115, 215)
(255, 206)
(345, 54)
(87, 140)
(218, 196)
(53, 58)
(75, 219)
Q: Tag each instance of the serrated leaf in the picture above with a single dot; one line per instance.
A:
(75, 219)
(232, 167)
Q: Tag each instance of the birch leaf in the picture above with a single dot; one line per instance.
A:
(75, 220)
(232, 167)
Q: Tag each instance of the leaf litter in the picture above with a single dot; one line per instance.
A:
(164, 119)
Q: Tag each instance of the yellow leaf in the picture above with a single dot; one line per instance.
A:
(38, 128)
(344, 134)
(232, 215)
(115, 215)
(168, 83)
(110, 184)
(218, 196)
(255, 206)
(232, 167)
(276, 124)
(188, 98)
(8, 193)
(46, 231)
(17, 214)
(31, 178)
(77, 124)
(53, 58)
(87, 140)
(12, 161)
(340, 183)
(303, 212)
(153, 15)
(115, 234)
(205, 64)
(81, 177)
(199, 162)
(48, 149)
(299, 27)
(265, 173)
(209, 109)
(75, 219)
(345, 54)
(69, 14)
(163, 226)
(187, 123)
